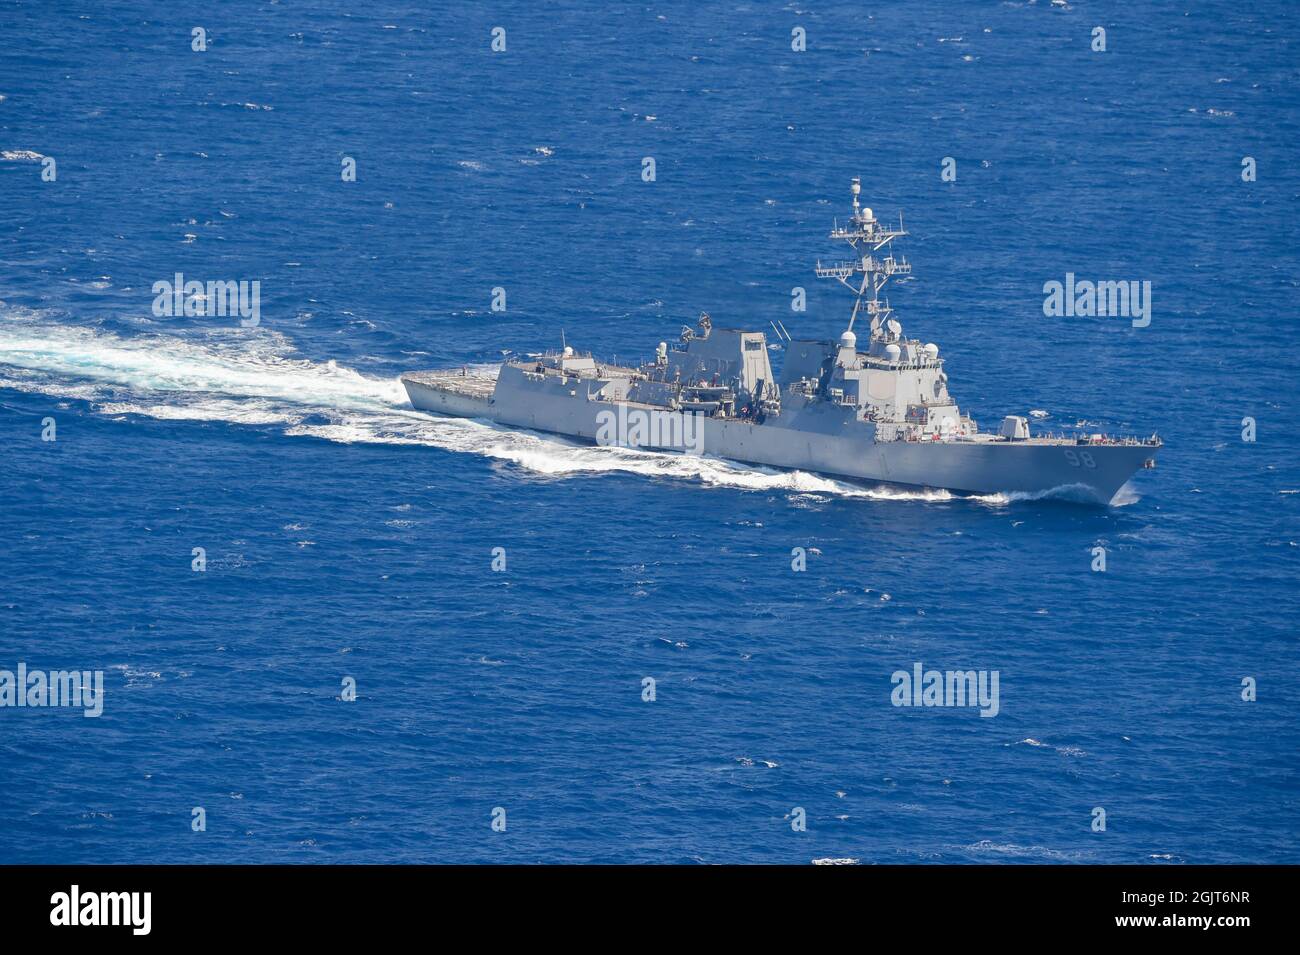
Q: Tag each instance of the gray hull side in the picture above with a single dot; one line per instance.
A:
(441, 401)
(821, 439)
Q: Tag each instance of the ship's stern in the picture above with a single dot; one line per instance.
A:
(457, 393)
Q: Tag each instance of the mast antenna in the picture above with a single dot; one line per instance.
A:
(867, 274)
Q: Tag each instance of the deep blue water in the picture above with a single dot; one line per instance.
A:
(348, 536)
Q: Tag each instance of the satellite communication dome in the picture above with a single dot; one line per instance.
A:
(892, 352)
(568, 351)
(932, 350)
(866, 213)
(848, 340)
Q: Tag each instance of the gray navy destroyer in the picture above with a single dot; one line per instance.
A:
(879, 415)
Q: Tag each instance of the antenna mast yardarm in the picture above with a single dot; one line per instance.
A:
(866, 236)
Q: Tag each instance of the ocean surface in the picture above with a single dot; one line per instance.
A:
(349, 537)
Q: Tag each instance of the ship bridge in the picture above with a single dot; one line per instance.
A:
(898, 382)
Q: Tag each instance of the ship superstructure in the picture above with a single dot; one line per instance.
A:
(880, 414)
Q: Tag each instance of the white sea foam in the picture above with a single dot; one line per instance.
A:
(1064, 492)
(989, 847)
(1126, 495)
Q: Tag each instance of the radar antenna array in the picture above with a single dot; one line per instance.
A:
(866, 236)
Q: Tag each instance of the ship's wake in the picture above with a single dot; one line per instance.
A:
(252, 379)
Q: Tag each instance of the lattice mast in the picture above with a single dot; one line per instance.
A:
(867, 275)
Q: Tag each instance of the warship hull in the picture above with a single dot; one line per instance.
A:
(819, 439)
(883, 414)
